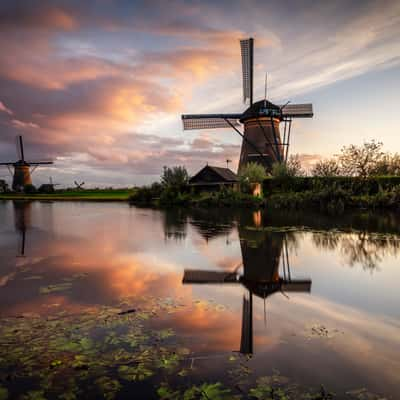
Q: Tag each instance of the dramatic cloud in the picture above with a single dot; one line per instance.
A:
(90, 82)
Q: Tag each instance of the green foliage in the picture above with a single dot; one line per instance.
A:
(287, 169)
(29, 189)
(46, 188)
(3, 393)
(146, 194)
(176, 177)
(361, 160)
(252, 173)
(389, 164)
(353, 185)
(139, 372)
(333, 194)
(108, 387)
(3, 186)
(172, 196)
(279, 170)
(326, 168)
(164, 392)
(226, 198)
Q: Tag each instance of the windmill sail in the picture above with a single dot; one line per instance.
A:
(247, 49)
(246, 340)
(207, 277)
(209, 121)
(297, 110)
(18, 147)
(296, 285)
(21, 148)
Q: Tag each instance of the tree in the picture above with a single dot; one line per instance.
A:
(289, 169)
(294, 166)
(252, 173)
(29, 189)
(388, 165)
(329, 167)
(175, 177)
(361, 160)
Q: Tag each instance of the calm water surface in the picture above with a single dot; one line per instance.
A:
(247, 294)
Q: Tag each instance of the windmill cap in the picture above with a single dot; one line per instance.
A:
(262, 108)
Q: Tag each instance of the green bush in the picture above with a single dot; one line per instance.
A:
(354, 185)
(46, 188)
(29, 189)
(171, 196)
(227, 198)
(3, 186)
(146, 194)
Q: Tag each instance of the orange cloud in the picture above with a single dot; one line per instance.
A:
(42, 16)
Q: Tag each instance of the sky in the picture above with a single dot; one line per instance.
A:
(99, 86)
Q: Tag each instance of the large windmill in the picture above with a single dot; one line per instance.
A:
(22, 168)
(262, 140)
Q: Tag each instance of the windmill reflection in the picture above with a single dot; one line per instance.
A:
(210, 224)
(22, 222)
(265, 271)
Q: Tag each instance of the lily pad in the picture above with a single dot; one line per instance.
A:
(60, 287)
(138, 373)
(108, 387)
(3, 393)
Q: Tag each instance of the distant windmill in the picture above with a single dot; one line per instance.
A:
(79, 186)
(262, 141)
(22, 168)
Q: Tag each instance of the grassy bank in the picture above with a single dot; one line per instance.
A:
(74, 195)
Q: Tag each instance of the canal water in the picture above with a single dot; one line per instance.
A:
(104, 300)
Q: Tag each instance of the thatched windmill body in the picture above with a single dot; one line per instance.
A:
(262, 140)
(22, 168)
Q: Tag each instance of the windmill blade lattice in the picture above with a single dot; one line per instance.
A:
(247, 50)
(210, 121)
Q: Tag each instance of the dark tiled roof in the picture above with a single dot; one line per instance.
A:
(225, 173)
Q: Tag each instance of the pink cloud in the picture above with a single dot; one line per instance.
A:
(24, 125)
(5, 109)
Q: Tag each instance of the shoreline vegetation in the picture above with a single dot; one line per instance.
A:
(331, 195)
(361, 177)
